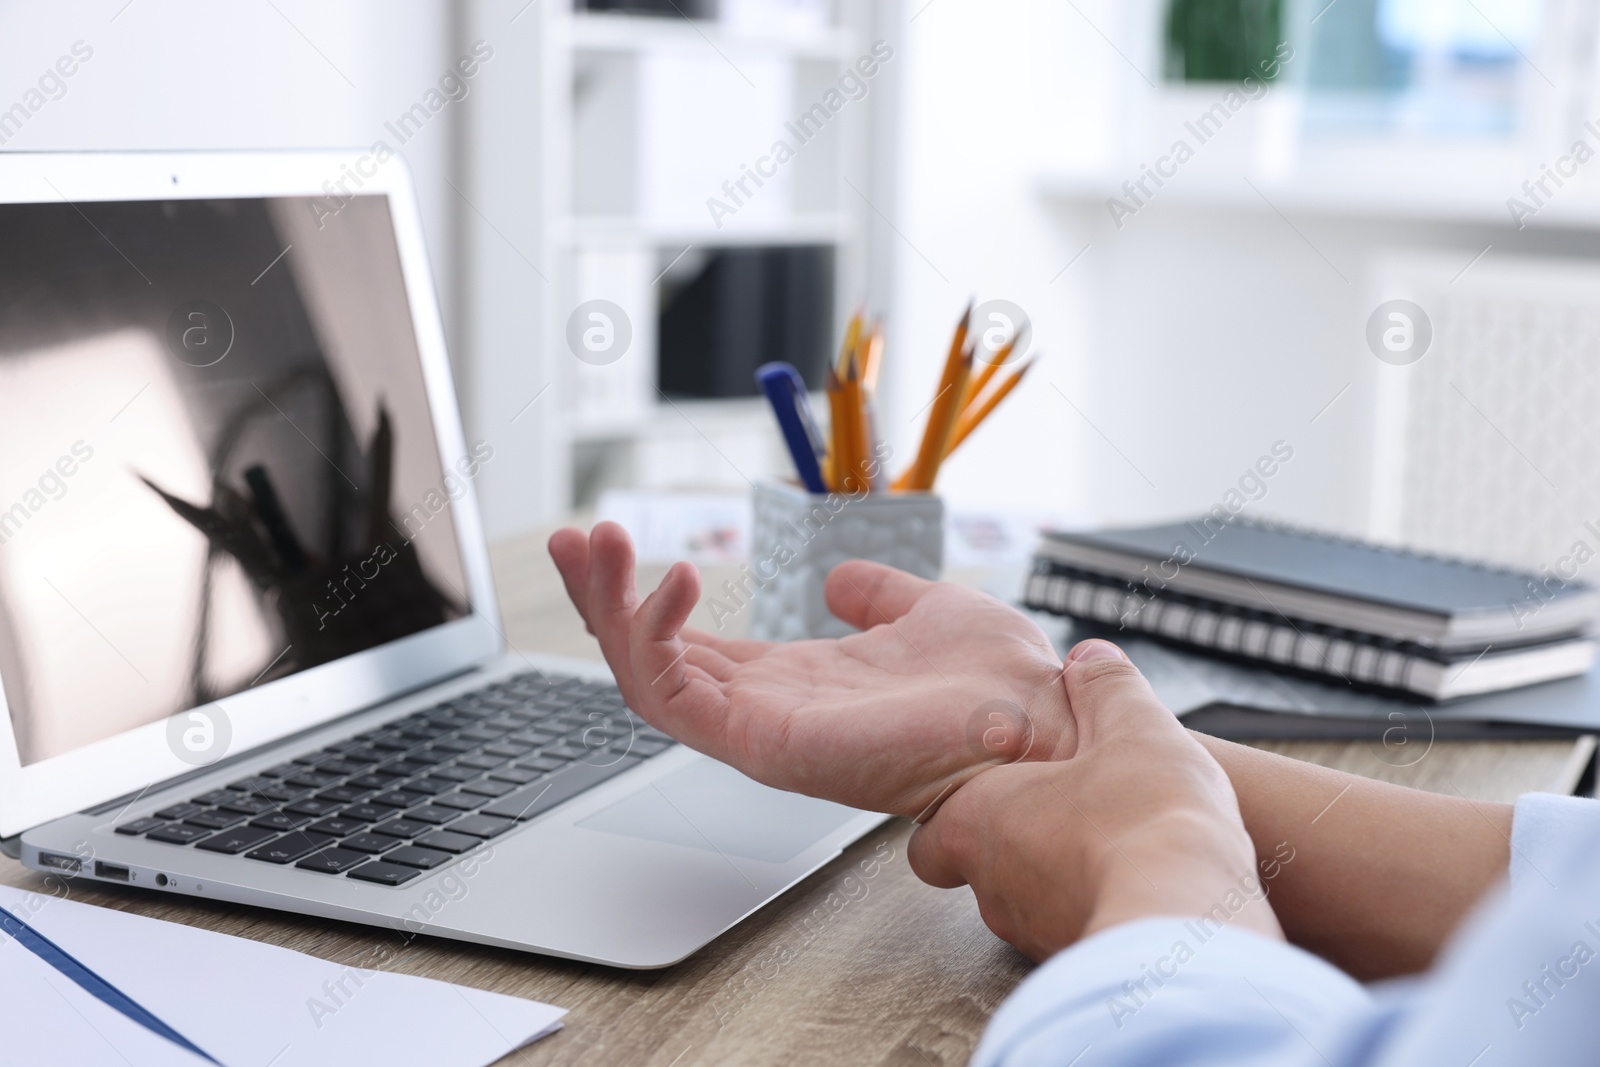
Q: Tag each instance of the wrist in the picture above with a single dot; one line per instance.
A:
(1182, 863)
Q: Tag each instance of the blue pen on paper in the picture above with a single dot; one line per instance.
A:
(787, 393)
(91, 983)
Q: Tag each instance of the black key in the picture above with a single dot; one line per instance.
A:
(450, 744)
(178, 811)
(564, 751)
(411, 767)
(342, 766)
(399, 799)
(249, 805)
(383, 873)
(445, 841)
(313, 780)
(312, 759)
(391, 744)
(478, 733)
(283, 770)
(236, 840)
(455, 774)
(250, 785)
(429, 813)
(364, 755)
(366, 812)
(429, 786)
(290, 847)
(508, 750)
(338, 826)
(215, 820)
(370, 781)
(563, 785)
(401, 828)
(213, 798)
(139, 826)
(279, 821)
(344, 794)
(283, 792)
(459, 801)
(332, 861)
(541, 764)
(488, 789)
(482, 826)
(411, 856)
(514, 775)
(177, 834)
(313, 806)
(370, 843)
(420, 733)
(533, 737)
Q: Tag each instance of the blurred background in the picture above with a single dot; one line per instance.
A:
(1203, 207)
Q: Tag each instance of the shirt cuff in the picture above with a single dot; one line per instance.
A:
(1543, 828)
(1144, 985)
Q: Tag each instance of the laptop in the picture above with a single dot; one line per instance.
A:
(249, 646)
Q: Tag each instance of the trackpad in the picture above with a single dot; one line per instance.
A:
(709, 805)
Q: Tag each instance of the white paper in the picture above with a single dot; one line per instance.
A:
(45, 1017)
(249, 1004)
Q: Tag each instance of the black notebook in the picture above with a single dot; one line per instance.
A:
(1446, 604)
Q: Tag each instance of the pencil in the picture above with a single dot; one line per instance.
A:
(854, 432)
(872, 361)
(847, 351)
(970, 419)
(946, 407)
(990, 368)
(834, 464)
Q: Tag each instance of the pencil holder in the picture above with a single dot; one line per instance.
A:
(797, 538)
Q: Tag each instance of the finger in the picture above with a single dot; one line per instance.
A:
(867, 594)
(713, 663)
(569, 548)
(737, 650)
(612, 598)
(668, 692)
(930, 854)
(1108, 696)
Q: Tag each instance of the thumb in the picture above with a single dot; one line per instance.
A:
(1108, 696)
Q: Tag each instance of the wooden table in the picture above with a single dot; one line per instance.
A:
(842, 969)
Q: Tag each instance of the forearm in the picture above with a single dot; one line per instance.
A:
(1380, 875)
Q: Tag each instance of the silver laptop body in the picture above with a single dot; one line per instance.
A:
(238, 529)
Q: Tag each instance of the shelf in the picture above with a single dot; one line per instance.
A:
(1481, 202)
(682, 418)
(809, 228)
(643, 33)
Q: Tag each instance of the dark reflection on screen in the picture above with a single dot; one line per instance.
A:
(217, 462)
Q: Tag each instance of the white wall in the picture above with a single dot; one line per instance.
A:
(178, 74)
(993, 95)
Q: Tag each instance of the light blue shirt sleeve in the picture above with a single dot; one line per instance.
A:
(1519, 984)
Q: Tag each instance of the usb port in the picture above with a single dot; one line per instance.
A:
(112, 871)
(57, 862)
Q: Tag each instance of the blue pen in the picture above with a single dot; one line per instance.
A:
(787, 393)
(92, 983)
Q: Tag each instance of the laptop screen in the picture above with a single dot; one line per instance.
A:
(218, 466)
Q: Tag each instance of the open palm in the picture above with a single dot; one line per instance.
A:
(941, 683)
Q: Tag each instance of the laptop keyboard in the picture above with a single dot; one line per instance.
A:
(411, 795)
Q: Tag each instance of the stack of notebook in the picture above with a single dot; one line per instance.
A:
(1340, 610)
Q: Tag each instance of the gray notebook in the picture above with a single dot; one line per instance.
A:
(1397, 595)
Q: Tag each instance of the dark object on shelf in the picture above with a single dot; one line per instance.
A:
(1223, 40)
(749, 306)
(695, 9)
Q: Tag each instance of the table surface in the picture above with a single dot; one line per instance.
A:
(875, 968)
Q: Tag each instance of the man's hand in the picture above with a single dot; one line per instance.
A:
(943, 682)
(1139, 821)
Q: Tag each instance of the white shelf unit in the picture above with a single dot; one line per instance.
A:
(643, 120)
